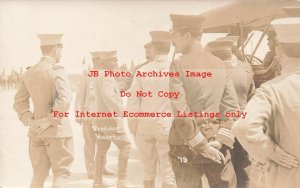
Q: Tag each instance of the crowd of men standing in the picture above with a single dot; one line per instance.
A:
(10, 81)
(183, 149)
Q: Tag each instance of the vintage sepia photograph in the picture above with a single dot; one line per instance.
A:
(149, 94)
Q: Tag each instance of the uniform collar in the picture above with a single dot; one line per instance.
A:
(291, 67)
(48, 59)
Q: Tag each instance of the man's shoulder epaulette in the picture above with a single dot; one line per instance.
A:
(57, 67)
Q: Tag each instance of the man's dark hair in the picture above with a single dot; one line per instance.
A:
(106, 64)
(225, 54)
(162, 47)
(196, 34)
(48, 48)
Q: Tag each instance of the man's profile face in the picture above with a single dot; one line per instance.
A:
(271, 43)
(180, 41)
(280, 55)
(58, 52)
(148, 53)
(278, 49)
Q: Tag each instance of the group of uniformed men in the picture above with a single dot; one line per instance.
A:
(10, 81)
(184, 149)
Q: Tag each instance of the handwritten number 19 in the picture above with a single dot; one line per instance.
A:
(182, 159)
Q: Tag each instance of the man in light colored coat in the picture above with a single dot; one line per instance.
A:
(50, 136)
(270, 131)
(151, 135)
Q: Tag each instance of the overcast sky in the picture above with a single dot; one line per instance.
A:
(87, 26)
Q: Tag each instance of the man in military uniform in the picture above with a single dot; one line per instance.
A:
(109, 129)
(242, 76)
(85, 101)
(275, 108)
(151, 135)
(200, 145)
(50, 137)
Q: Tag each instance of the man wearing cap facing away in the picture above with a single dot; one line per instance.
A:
(275, 107)
(151, 135)
(50, 137)
(200, 145)
(110, 129)
(242, 76)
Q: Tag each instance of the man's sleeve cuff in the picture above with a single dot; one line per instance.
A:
(198, 143)
(226, 137)
(25, 116)
(53, 121)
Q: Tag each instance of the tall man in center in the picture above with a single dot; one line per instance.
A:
(200, 145)
(151, 134)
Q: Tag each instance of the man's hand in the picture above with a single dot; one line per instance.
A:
(213, 154)
(215, 144)
(41, 125)
(38, 141)
(283, 158)
(29, 122)
(78, 120)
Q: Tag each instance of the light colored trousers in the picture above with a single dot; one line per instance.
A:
(154, 149)
(55, 153)
(89, 146)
